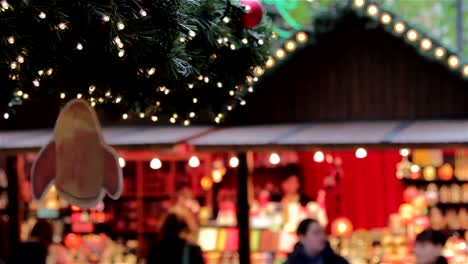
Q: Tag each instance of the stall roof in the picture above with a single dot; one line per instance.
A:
(386, 134)
(130, 136)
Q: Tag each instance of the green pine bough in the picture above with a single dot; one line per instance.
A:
(177, 60)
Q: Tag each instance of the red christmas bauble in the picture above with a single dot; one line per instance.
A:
(254, 13)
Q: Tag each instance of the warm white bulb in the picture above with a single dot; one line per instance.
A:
(233, 162)
(290, 45)
(373, 10)
(361, 153)
(280, 53)
(49, 71)
(217, 120)
(79, 46)
(13, 65)
(359, 3)
(192, 114)
(319, 157)
(151, 71)
(399, 27)
(25, 96)
(155, 164)
(454, 61)
(108, 94)
(206, 79)
(143, 13)
(42, 15)
(233, 47)
(118, 99)
(195, 100)
(5, 5)
(92, 88)
(301, 37)
(219, 84)
(62, 95)
(125, 116)
(186, 122)
(142, 115)
(465, 70)
(229, 108)
(270, 62)
(192, 33)
(79, 96)
(11, 40)
(426, 44)
(412, 35)
(120, 26)
(19, 93)
(172, 120)
(243, 102)
(386, 19)
(105, 18)
(121, 53)
(62, 26)
(226, 19)
(194, 162)
(36, 83)
(245, 41)
(404, 152)
(439, 52)
(20, 59)
(260, 42)
(93, 104)
(231, 93)
(6, 115)
(274, 158)
(250, 89)
(122, 162)
(154, 118)
(415, 168)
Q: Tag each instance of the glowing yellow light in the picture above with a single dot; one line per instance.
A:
(105, 18)
(190, 85)
(404, 152)
(122, 162)
(192, 33)
(11, 40)
(172, 120)
(118, 99)
(121, 53)
(274, 158)
(385, 18)
(245, 41)
(40, 72)
(143, 13)
(280, 53)
(290, 45)
(415, 168)
(359, 3)
(108, 94)
(233, 162)
(465, 70)
(361, 153)
(20, 59)
(454, 61)
(120, 26)
(226, 20)
(92, 88)
(36, 83)
(19, 93)
(192, 114)
(270, 62)
(439, 52)
(259, 71)
(142, 115)
(93, 104)
(229, 108)
(319, 157)
(195, 100)
(219, 84)
(412, 35)
(243, 102)
(49, 71)
(217, 120)
(151, 71)
(373, 10)
(231, 93)
(154, 118)
(13, 65)
(25, 96)
(301, 37)
(399, 27)
(125, 116)
(194, 162)
(206, 79)
(6, 116)
(62, 95)
(42, 15)
(79, 46)
(250, 89)
(426, 44)
(62, 26)
(155, 164)
(186, 122)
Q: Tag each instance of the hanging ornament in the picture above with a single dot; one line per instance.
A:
(253, 13)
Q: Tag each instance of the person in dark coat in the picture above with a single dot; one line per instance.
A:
(428, 247)
(174, 247)
(35, 250)
(313, 247)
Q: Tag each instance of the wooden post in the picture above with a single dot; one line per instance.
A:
(13, 206)
(243, 175)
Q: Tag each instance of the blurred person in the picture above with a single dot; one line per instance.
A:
(313, 247)
(173, 247)
(186, 206)
(428, 247)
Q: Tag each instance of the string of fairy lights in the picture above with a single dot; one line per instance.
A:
(394, 25)
(96, 96)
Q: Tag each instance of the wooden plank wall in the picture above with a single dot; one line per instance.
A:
(356, 74)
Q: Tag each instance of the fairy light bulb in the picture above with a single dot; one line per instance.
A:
(62, 26)
(11, 40)
(62, 95)
(154, 118)
(243, 102)
(245, 41)
(13, 65)
(454, 61)
(25, 96)
(226, 20)
(206, 79)
(121, 53)
(229, 108)
(79, 46)
(274, 158)
(361, 153)
(186, 122)
(250, 89)
(399, 27)
(231, 93)
(192, 33)
(280, 53)
(359, 3)
(319, 157)
(195, 100)
(412, 35)
(426, 44)
(105, 18)
(19, 93)
(373, 10)
(233, 162)
(194, 162)
(93, 104)
(42, 15)
(118, 99)
(386, 18)
(155, 164)
(142, 115)
(36, 82)
(301, 37)
(439, 52)
(404, 152)
(20, 59)
(233, 47)
(217, 120)
(190, 85)
(465, 70)
(49, 71)
(290, 45)
(79, 96)
(172, 120)
(5, 5)
(143, 13)
(108, 94)
(220, 41)
(270, 62)
(40, 72)
(6, 116)
(219, 84)
(192, 115)
(125, 116)
(151, 71)
(415, 168)
(120, 26)
(122, 162)
(260, 42)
